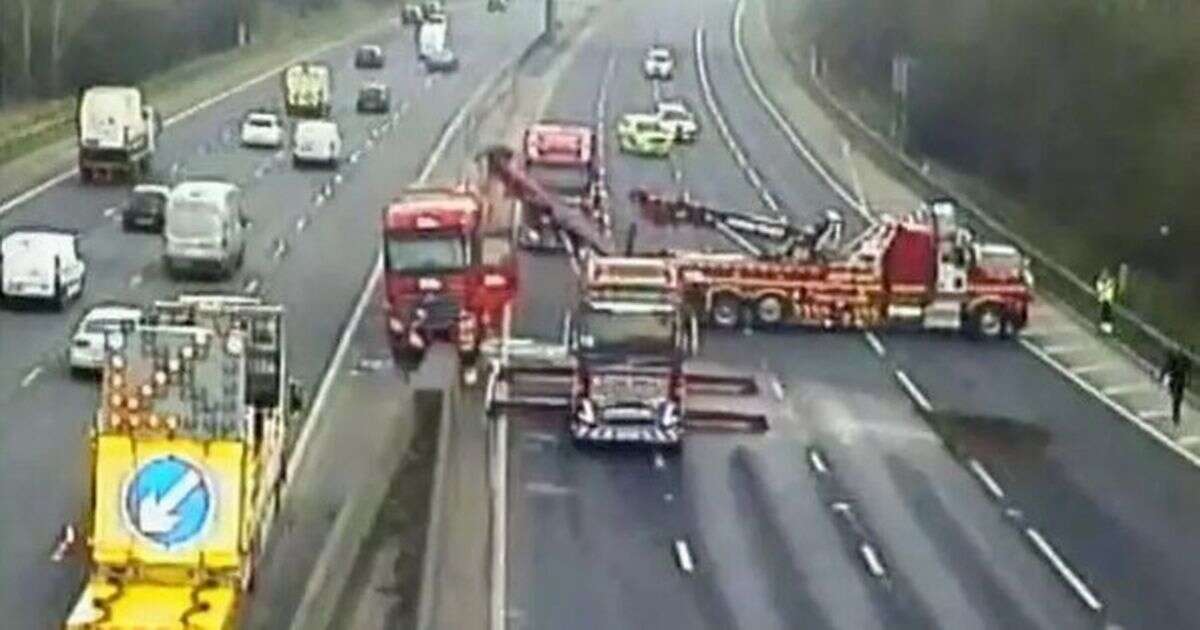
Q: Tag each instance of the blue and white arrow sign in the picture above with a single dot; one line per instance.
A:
(169, 501)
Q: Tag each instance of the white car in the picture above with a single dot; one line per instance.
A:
(101, 325)
(262, 129)
(677, 117)
(317, 141)
(659, 64)
(41, 265)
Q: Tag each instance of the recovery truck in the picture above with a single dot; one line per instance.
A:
(563, 158)
(922, 270)
(308, 90)
(117, 133)
(189, 451)
(622, 373)
(449, 272)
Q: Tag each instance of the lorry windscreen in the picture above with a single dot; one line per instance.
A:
(426, 253)
(604, 332)
(561, 178)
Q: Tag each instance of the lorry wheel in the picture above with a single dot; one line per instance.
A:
(726, 311)
(769, 311)
(989, 323)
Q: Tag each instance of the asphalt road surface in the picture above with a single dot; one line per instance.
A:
(1018, 501)
(327, 223)
(856, 510)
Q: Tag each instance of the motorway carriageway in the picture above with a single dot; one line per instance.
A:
(907, 481)
(313, 239)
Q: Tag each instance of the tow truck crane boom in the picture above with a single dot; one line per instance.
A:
(793, 243)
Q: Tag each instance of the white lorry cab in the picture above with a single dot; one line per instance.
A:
(432, 39)
(117, 133)
(205, 228)
(317, 141)
(41, 265)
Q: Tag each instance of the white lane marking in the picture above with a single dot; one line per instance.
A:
(1064, 570)
(31, 376)
(1066, 348)
(1095, 367)
(1049, 331)
(914, 392)
(179, 117)
(848, 155)
(135, 280)
(499, 529)
(1127, 388)
(279, 249)
(683, 556)
(1161, 437)
(250, 286)
(301, 223)
(875, 343)
(781, 122)
(1153, 414)
(337, 179)
(731, 143)
(872, 560)
(1189, 440)
(987, 480)
(110, 211)
(428, 82)
(659, 461)
(777, 388)
(339, 354)
(817, 461)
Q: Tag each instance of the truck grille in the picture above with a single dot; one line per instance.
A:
(441, 311)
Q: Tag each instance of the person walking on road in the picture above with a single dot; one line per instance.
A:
(1174, 375)
(1106, 293)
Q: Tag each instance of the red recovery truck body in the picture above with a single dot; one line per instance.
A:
(563, 159)
(923, 269)
(448, 270)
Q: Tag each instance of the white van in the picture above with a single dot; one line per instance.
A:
(205, 229)
(432, 38)
(41, 265)
(317, 141)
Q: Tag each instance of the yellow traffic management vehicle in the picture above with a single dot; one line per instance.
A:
(189, 449)
(644, 134)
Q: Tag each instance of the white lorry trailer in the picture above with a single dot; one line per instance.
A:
(117, 133)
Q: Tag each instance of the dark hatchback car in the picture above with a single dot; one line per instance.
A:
(146, 208)
(374, 98)
(441, 60)
(368, 57)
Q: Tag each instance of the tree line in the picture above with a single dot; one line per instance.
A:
(1086, 110)
(49, 48)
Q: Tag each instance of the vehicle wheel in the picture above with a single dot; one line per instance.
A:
(85, 174)
(989, 323)
(770, 311)
(726, 311)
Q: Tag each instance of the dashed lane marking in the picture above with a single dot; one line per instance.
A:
(1189, 440)
(817, 461)
(1153, 414)
(683, 556)
(659, 461)
(777, 388)
(135, 280)
(1066, 348)
(111, 211)
(251, 286)
(1095, 367)
(875, 343)
(31, 376)
(914, 392)
(1127, 388)
(872, 560)
(1064, 570)
(987, 480)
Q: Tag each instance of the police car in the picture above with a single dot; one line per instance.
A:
(41, 265)
(644, 134)
(98, 327)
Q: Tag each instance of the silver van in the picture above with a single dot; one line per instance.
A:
(205, 229)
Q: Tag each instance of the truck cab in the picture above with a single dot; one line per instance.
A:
(561, 157)
(629, 336)
(441, 280)
(308, 90)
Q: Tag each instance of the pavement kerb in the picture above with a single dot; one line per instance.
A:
(831, 171)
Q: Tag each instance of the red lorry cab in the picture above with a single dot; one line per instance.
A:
(561, 157)
(439, 280)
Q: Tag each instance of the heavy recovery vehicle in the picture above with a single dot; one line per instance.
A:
(624, 372)
(922, 270)
(189, 451)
